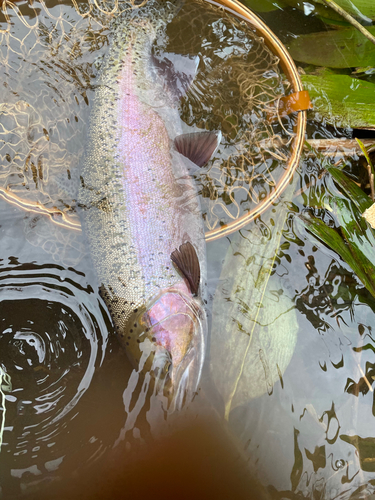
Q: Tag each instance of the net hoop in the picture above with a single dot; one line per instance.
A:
(291, 72)
(235, 8)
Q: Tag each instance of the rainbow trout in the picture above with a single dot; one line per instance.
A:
(140, 209)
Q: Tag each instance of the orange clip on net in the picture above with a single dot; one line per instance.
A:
(299, 101)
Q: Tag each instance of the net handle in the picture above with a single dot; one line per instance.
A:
(290, 70)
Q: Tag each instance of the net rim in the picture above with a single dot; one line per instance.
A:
(288, 66)
(241, 12)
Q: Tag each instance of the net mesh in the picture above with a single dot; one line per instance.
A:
(47, 68)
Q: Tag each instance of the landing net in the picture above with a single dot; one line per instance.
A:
(48, 53)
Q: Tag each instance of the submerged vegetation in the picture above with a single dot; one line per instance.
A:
(338, 69)
(333, 210)
(354, 238)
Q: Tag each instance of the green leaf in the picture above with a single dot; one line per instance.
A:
(364, 151)
(344, 48)
(355, 193)
(360, 9)
(359, 236)
(342, 100)
(358, 262)
(263, 5)
(335, 22)
(254, 322)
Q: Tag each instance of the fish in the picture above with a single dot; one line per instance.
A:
(139, 205)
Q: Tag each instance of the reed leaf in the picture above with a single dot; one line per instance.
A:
(335, 241)
(354, 192)
(344, 48)
(254, 328)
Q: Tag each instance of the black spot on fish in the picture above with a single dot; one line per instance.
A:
(131, 331)
(138, 341)
(135, 325)
(127, 343)
(129, 338)
(135, 310)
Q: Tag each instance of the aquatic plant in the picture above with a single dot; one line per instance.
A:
(354, 238)
(253, 319)
(341, 85)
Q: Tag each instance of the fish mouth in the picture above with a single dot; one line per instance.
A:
(171, 346)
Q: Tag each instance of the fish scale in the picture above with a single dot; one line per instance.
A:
(138, 201)
(129, 176)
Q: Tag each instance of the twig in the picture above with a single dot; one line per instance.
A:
(348, 147)
(349, 18)
(369, 178)
(333, 147)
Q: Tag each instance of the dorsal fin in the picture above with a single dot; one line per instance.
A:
(186, 259)
(199, 146)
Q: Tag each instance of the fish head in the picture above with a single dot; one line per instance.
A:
(171, 339)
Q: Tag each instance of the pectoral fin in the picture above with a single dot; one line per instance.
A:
(199, 146)
(186, 259)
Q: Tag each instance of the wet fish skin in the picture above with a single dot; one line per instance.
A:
(140, 205)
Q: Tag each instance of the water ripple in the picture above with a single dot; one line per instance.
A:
(53, 337)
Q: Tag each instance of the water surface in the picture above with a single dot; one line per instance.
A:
(291, 387)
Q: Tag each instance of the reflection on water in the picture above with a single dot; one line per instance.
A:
(320, 418)
(42, 345)
(291, 359)
(53, 338)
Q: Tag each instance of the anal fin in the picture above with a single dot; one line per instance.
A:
(186, 259)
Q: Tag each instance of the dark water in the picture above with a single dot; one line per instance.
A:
(287, 392)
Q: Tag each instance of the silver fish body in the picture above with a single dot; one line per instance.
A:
(139, 205)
